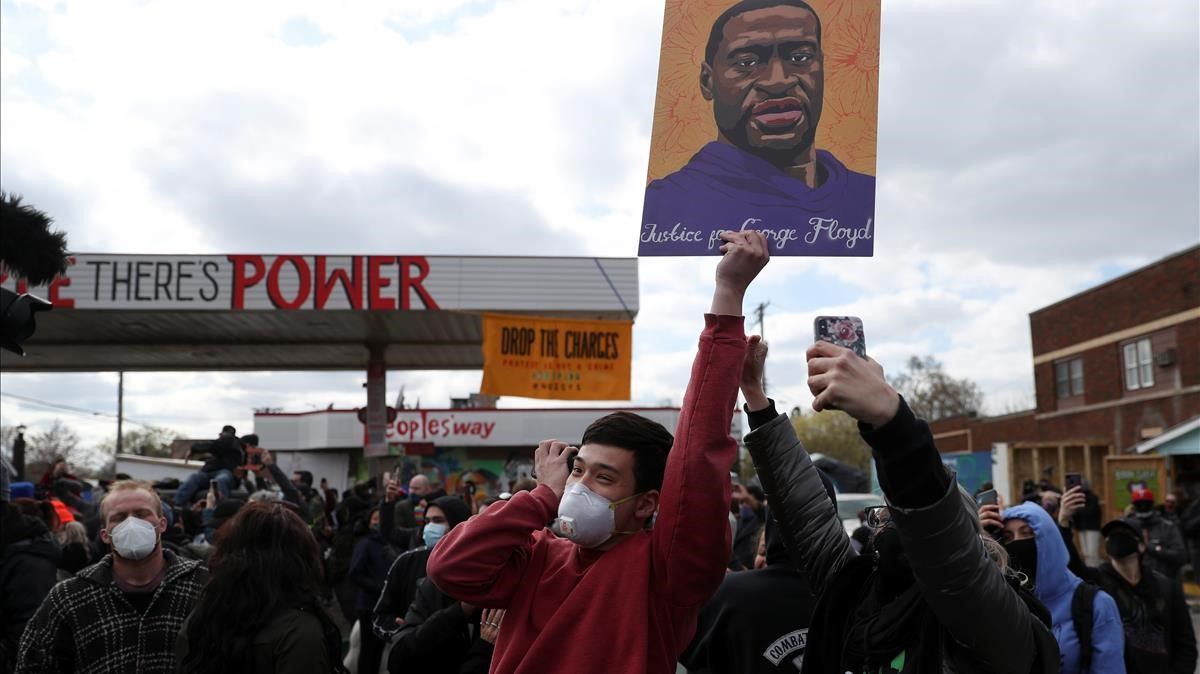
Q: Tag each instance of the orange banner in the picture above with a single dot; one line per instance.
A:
(556, 358)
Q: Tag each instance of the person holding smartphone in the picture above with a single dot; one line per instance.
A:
(932, 593)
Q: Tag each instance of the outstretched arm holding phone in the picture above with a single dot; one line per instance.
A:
(939, 547)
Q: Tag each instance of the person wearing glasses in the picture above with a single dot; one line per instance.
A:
(930, 591)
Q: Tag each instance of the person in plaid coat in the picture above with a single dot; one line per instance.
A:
(123, 613)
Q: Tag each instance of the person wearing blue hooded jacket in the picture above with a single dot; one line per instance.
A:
(1036, 548)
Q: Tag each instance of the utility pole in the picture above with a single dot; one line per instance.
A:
(120, 409)
(760, 314)
(18, 453)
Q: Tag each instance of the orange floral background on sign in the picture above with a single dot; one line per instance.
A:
(683, 120)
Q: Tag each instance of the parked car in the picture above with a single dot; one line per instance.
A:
(849, 505)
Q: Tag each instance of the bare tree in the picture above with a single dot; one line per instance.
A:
(57, 440)
(834, 434)
(7, 435)
(148, 441)
(932, 394)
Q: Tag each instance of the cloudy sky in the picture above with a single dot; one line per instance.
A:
(1026, 152)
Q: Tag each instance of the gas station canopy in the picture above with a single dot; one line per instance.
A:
(303, 312)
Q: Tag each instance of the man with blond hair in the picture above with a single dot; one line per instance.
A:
(123, 613)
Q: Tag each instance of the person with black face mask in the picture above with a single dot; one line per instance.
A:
(931, 595)
(1158, 626)
(1165, 550)
(1036, 550)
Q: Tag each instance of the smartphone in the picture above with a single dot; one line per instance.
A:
(256, 459)
(1074, 480)
(570, 462)
(845, 331)
(986, 497)
(212, 485)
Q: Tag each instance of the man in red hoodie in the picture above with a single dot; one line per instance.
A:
(611, 594)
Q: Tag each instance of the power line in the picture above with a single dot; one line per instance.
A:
(69, 408)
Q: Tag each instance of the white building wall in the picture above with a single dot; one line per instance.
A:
(341, 429)
(1000, 456)
(333, 466)
(153, 469)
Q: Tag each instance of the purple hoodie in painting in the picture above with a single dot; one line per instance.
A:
(725, 188)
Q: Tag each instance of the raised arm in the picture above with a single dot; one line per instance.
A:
(691, 539)
(290, 493)
(808, 522)
(400, 537)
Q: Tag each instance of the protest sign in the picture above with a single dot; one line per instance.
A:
(765, 119)
(1132, 472)
(556, 358)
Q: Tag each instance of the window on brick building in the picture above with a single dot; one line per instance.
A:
(1139, 364)
(1068, 377)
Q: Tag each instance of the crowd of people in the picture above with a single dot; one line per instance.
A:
(631, 551)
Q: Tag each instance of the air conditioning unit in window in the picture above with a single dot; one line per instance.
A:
(1166, 358)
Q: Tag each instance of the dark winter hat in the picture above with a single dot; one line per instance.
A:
(1130, 526)
(456, 510)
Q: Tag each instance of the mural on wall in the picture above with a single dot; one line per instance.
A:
(454, 468)
(971, 468)
(519, 466)
(1125, 480)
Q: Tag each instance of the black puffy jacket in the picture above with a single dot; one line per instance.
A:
(986, 625)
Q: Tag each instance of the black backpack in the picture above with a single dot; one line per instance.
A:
(1081, 614)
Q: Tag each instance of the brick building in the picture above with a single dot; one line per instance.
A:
(1113, 366)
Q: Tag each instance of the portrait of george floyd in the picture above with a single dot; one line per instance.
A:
(765, 118)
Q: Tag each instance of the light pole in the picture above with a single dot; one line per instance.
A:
(18, 453)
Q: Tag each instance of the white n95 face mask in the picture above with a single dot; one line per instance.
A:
(134, 538)
(585, 517)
